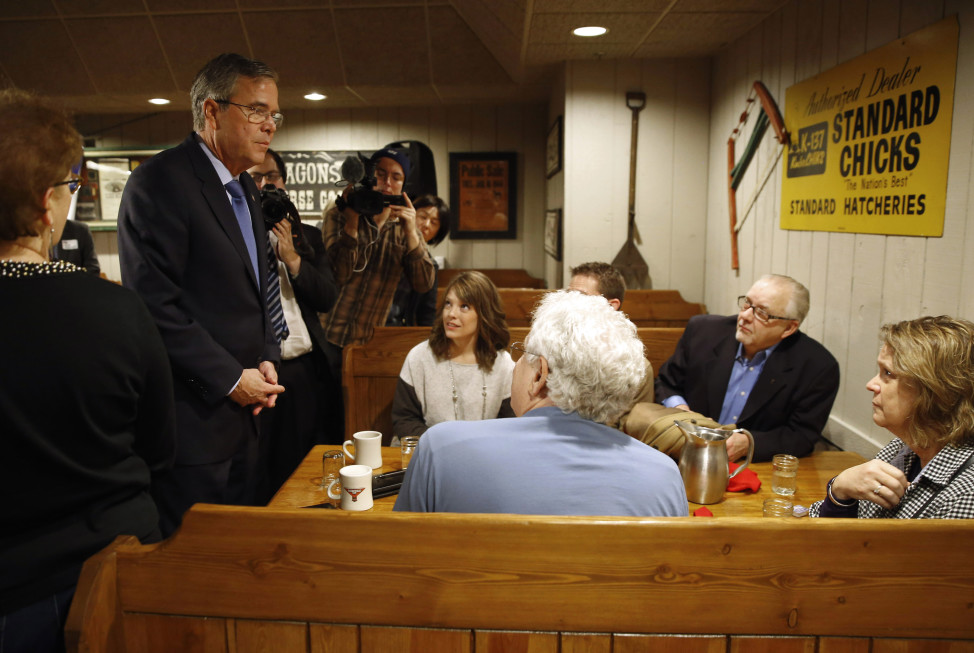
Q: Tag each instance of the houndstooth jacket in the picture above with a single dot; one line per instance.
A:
(931, 494)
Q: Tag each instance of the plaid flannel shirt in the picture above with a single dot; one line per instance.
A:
(368, 270)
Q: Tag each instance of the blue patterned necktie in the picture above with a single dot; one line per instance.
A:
(242, 212)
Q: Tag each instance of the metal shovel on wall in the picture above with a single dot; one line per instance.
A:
(629, 262)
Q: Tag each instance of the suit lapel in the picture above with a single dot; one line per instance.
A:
(216, 197)
(724, 352)
(774, 378)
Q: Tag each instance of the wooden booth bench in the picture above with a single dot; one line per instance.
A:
(237, 580)
(370, 371)
(646, 308)
(502, 277)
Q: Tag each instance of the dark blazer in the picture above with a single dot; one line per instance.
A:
(181, 249)
(314, 287)
(790, 403)
(78, 247)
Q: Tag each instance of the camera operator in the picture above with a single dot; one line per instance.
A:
(300, 419)
(369, 253)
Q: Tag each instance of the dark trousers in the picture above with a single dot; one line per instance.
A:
(333, 354)
(38, 627)
(230, 482)
(302, 417)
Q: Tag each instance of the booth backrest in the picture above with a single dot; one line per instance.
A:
(646, 308)
(370, 372)
(502, 277)
(309, 581)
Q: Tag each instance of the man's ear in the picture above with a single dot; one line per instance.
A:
(210, 109)
(539, 384)
(792, 328)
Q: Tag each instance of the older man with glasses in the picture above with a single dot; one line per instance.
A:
(756, 370)
(193, 245)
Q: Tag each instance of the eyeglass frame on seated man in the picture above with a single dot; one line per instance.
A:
(743, 303)
(519, 345)
(260, 112)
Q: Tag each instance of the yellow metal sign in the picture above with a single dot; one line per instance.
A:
(870, 140)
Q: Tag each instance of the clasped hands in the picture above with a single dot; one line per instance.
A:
(258, 387)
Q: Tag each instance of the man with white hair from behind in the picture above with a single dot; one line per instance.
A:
(580, 368)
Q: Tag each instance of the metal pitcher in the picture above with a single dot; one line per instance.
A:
(703, 461)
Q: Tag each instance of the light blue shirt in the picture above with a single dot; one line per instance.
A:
(744, 374)
(542, 463)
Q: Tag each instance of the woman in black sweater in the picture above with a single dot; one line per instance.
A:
(86, 410)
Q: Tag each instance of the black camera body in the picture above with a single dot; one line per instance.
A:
(276, 206)
(364, 199)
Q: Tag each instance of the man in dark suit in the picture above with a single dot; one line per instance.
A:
(303, 415)
(192, 243)
(756, 370)
(78, 247)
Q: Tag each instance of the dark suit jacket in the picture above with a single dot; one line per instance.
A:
(181, 249)
(78, 247)
(314, 287)
(790, 403)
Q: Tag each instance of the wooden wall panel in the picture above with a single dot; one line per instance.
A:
(269, 636)
(669, 644)
(501, 641)
(586, 643)
(844, 645)
(415, 640)
(151, 633)
(921, 646)
(772, 645)
(332, 638)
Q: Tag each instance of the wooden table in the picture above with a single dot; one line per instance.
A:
(814, 473)
(303, 488)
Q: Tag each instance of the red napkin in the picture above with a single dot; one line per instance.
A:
(746, 480)
(702, 511)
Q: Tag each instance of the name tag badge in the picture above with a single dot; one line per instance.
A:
(71, 243)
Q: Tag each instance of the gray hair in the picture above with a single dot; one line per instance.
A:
(798, 302)
(217, 80)
(596, 363)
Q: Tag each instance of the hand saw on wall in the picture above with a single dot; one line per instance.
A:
(735, 171)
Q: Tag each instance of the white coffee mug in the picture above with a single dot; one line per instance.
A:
(368, 449)
(356, 491)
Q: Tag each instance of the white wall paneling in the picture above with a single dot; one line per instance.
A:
(515, 127)
(857, 282)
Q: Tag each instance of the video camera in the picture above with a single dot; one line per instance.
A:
(364, 199)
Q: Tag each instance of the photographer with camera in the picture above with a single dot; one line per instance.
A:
(372, 239)
(300, 418)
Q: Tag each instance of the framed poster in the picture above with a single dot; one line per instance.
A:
(553, 150)
(483, 195)
(552, 233)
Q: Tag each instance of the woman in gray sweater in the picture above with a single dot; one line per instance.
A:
(463, 372)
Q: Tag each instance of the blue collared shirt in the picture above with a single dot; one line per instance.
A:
(744, 374)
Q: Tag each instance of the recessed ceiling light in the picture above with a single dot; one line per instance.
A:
(158, 100)
(315, 97)
(589, 31)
